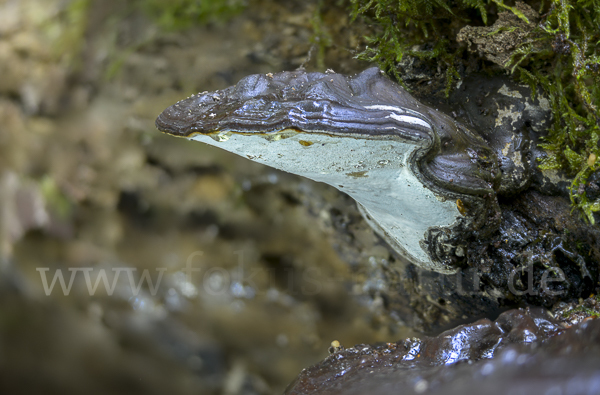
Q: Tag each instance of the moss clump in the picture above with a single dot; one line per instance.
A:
(567, 67)
(424, 29)
(560, 55)
(585, 308)
(181, 14)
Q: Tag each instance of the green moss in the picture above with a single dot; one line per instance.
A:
(560, 56)
(424, 29)
(567, 67)
(586, 307)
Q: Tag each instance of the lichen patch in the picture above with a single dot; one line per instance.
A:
(507, 113)
(510, 93)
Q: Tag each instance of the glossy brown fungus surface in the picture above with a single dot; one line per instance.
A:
(368, 105)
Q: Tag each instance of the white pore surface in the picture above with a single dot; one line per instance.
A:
(374, 172)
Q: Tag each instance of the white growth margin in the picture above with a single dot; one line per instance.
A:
(375, 172)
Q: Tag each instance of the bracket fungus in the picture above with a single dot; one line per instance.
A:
(406, 164)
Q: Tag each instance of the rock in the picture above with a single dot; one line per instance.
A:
(523, 351)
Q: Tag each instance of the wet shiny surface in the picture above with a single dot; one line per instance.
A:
(523, 351)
